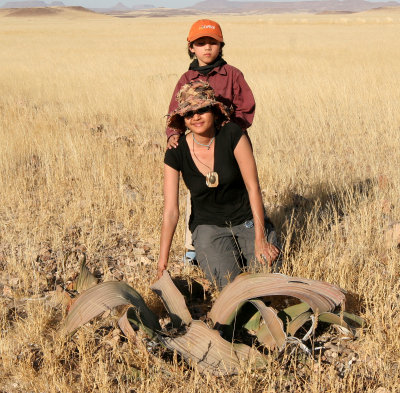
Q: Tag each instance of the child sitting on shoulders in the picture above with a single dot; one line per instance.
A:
(205, 43)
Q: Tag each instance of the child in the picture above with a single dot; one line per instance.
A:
(205, 43)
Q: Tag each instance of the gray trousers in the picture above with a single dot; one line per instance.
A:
(223, 252)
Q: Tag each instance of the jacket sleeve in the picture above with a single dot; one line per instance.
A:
(174, 104)
(243, 102)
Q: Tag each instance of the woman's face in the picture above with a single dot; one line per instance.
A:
(201, 123)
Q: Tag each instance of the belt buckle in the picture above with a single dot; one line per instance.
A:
(249, 224)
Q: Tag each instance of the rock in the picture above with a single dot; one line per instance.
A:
(59, 296)
(81, 249)
(145, 261)
(7, 291)
(130, 192)
(44, 255)
(392, 235)
(139, 251)
(382, 390)
(146, 248)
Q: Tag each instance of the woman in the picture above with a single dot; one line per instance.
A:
(218, 167)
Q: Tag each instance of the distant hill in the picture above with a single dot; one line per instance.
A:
(122, 8)
(313, 6)
(70, 12)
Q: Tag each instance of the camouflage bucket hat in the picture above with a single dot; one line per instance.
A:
(191, 97)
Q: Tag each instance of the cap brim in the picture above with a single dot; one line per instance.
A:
(199, 35)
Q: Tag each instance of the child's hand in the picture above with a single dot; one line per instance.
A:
(172, 141)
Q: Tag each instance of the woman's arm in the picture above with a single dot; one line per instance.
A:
(245, 159)
(170, 216)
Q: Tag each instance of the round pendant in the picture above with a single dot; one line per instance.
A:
(212, 179)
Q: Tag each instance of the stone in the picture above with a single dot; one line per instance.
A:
(392, 235)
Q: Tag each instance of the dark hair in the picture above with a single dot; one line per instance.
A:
(191, 54)
(219, 117)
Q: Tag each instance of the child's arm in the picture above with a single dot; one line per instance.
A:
(172, 106)
(243, 102)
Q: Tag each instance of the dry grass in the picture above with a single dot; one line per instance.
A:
(82, 138)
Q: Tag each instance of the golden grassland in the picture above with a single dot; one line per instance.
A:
(82, 106)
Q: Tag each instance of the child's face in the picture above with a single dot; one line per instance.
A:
(206, 50)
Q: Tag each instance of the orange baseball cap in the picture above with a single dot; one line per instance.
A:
(205, 28)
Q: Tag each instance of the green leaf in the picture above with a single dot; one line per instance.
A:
(294, 311)
(344, 319)
(254, 322)
(295, 324)
(353, 320)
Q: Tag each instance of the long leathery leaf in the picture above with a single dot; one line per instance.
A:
(265, 337)
(125, 324)
(273, 323)
(210, 352)
(107, 296)
(86, 279)
(321, 296)
(173, 300)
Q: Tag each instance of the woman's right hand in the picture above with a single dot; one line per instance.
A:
(172, 141)
(161, 267)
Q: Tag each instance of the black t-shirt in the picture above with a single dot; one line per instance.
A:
(228, 203)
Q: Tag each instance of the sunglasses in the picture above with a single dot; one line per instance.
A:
(190, 114)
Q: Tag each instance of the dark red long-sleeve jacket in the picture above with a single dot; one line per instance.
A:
(230, 88)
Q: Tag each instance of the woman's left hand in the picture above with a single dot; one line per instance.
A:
(266, 252)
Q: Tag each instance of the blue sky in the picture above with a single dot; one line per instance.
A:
(130, 3)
